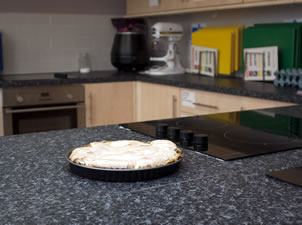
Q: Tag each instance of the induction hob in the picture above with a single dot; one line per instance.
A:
(291, 175)
(233, 135)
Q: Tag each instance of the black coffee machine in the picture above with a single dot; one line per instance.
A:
(130, 50)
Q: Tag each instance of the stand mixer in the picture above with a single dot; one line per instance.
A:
(172, 33)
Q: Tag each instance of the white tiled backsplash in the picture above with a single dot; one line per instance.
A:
(38, 43)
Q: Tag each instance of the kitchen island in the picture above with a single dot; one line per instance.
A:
(37, 186)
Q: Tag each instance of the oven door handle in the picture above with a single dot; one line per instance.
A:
(41, 109)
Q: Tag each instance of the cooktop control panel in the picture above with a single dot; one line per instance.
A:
(185, 138)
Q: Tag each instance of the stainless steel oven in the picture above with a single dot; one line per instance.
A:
(43, 108)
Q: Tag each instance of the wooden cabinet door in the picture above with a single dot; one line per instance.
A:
(145, 6)
(137, 6)
(156, 101)
(109, 103)
(208, 3)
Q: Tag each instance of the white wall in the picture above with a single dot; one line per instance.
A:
(247, 17)
(47, 36)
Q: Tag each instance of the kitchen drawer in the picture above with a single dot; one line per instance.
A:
(203, 102)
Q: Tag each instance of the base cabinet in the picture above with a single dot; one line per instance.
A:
(125, 102)
(109, 103)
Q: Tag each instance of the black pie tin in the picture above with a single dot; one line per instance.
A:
(123, 175)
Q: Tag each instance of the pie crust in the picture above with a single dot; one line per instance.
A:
(126, 154)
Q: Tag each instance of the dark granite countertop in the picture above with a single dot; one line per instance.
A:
(38, 188)
(227, 85)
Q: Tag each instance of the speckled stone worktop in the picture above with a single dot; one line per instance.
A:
(222, 84)
(37, 187)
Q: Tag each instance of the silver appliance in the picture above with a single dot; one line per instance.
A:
(172, 33)
(42, 108)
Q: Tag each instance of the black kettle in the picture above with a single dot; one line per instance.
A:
(130, 50)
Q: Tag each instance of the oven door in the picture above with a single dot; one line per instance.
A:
(44, 118)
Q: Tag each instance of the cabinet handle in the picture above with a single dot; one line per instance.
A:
(174, 102)
(205, 105)
(41, 109)
(91, 108)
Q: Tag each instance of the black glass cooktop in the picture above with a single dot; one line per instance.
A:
(291, 175)
(235, 135)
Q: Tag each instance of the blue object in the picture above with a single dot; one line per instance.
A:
(289, 78)
(196, 27)
(1, 58)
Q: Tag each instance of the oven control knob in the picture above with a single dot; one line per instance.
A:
(200, 142)
(69, 96)
(19, 99)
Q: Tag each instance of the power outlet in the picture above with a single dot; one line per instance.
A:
(153, 3)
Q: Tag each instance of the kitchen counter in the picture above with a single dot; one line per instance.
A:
(38, 188)
(227, 85)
